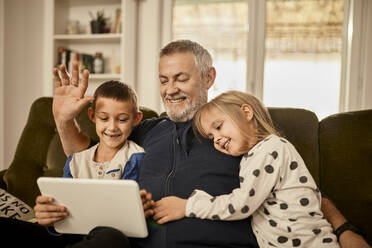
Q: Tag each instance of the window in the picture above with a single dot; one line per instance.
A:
(303, 44)
(221, 27)
(303, 54)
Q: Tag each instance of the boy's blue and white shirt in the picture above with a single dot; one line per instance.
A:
(126, 164)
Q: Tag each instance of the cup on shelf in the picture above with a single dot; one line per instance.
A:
(72, 27)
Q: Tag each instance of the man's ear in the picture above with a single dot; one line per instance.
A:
(91, 114)
(247, 111)
(210, 77)
(138, 118)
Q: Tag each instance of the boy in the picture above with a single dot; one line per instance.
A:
(115, 112)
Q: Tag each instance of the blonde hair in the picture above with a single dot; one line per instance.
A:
(230, 103)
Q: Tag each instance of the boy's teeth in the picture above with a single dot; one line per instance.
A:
(112, 135)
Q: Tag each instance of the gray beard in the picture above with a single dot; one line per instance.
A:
(189, 111)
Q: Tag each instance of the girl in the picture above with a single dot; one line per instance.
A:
(275, 186)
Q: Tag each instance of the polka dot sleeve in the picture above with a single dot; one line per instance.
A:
(259, 173)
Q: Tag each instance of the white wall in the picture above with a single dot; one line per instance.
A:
(2, 166)
(148, 47)
(357, 87)
(367, 96)
(23, 72)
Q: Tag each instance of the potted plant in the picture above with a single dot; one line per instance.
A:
(98, 22)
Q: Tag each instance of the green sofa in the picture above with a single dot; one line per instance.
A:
(337, 151)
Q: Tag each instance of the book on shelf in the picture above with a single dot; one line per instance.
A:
(66, 56)
(87, 62)
(116, 28)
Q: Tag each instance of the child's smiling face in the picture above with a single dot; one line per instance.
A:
(225, 133)
(114, 121)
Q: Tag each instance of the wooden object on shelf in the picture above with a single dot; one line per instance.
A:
(117, 22)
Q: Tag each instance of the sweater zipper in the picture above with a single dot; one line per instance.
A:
(171, 173)
(167, 182)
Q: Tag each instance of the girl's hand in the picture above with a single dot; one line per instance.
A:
(169, 208)
(147, 202)
(47, 213)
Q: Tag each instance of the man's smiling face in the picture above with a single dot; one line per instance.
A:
(182, 88)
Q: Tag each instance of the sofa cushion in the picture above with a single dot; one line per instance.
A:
(345, 142)
(300, 127)
(31, 152)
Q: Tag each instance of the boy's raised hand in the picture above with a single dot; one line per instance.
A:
(68, 98)
(169, 208)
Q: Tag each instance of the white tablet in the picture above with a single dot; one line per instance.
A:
(97, 202)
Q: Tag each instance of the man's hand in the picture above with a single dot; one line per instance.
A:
(169, 209)
(147, 202)
(69, 99)
(47, 213)
(349, 239)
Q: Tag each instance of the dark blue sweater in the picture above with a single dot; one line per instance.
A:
(175, 163)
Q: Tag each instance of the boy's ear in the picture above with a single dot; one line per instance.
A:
(247, 111)
(91, 114)
(138, 118)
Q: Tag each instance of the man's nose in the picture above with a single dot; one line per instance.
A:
(172, 88)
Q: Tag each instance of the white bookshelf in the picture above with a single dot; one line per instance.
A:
(118, 49)
(2, 110)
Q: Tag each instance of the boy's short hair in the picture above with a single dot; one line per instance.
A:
(118, 91)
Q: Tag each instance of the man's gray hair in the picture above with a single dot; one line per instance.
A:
(203, 59)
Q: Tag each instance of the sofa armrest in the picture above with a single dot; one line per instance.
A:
(2, 183)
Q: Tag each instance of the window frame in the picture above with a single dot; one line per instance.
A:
(354, 63)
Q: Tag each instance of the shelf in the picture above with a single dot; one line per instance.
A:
(82, 37)
(105, 76)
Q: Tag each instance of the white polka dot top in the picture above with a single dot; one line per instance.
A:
(278, 191)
